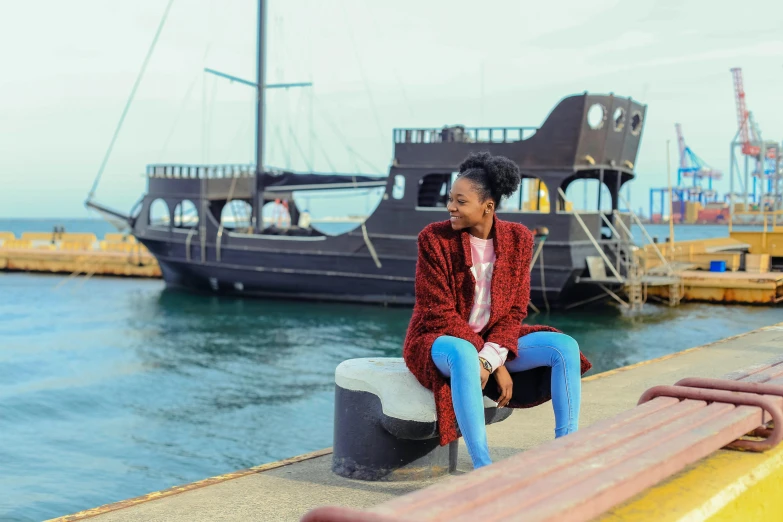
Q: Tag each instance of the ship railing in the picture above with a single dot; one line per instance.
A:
(668, 276)
(667, 266)
(187, 171)
(770, 220)
(626, 269)
(460, 134)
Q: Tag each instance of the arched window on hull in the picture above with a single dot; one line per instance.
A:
(160, 214)
(593, 192)
(186, 214)
(237, 214)
(532, 196)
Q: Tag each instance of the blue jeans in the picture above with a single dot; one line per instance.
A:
(458, 359)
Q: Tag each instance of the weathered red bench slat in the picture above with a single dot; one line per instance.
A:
(591, 497)
(510, 478)
(578, 477)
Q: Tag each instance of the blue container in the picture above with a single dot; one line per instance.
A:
(717, 266)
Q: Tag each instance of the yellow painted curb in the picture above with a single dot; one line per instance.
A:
(727, 486)
(81, 515)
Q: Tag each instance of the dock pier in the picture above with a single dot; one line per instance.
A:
(77, 253)
(727, 485)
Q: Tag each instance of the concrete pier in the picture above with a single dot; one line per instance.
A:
(727, 287)
(286, 490)
(76, 254)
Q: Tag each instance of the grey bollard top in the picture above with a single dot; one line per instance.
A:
(385, 423)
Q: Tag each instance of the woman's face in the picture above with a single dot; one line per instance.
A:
(465, 206)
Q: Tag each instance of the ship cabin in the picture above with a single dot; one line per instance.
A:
(586, 140)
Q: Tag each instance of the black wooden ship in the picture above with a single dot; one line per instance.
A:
(585, 136)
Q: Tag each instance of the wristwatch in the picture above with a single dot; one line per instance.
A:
(485, 364)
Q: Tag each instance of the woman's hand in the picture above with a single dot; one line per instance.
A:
(505, 385)
(484, 376)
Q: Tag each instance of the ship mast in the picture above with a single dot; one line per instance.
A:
(260, 85)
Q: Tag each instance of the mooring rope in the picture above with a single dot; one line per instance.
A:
(370, 247)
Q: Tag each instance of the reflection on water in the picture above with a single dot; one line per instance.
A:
(112, 388)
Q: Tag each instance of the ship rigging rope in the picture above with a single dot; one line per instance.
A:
(369, 245)
(130, 99)
(207, 120)
(182, 107)
(327, 118)
(301, 151)
(229, 201)
(325, 154)
(378, 32)
(373, 108)
(283, 148)
(308, 163)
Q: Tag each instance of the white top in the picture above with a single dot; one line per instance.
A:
(483, 257)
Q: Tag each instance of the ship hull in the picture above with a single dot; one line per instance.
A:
(350, 280)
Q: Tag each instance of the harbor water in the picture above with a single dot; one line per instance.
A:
(111, 388)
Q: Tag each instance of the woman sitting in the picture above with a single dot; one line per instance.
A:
(472, 293)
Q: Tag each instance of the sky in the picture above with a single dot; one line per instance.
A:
(68, 69)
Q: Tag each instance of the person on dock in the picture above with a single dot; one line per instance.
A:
(472, 292)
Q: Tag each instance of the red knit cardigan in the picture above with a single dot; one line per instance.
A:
(444, 298)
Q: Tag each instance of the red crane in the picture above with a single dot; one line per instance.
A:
(748, 147)
(681, 145)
